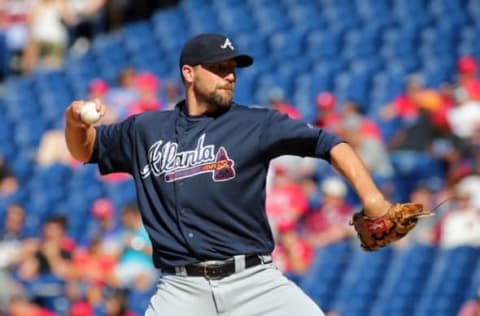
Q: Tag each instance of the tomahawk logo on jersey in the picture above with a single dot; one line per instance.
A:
(164, 159)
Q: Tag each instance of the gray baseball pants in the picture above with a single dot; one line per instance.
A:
(258, 291)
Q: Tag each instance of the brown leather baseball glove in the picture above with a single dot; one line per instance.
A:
(395, 224)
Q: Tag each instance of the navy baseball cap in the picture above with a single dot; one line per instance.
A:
(210, 48)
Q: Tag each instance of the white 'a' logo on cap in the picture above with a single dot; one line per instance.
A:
(227, 44)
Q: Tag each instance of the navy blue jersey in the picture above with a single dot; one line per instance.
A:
(200, 180)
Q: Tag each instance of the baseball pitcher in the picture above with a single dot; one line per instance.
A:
(200, 172)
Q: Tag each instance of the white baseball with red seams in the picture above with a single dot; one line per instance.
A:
(89, 113)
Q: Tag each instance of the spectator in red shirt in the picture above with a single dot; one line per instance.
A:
(276, 100)
(147, 84)
(81, 308)
(329, 223)
(285, 200)
(104, 227)
(467, 68)
(368, 128)
(404, 106)
(292, 254)
(328, 118)
(91, 265)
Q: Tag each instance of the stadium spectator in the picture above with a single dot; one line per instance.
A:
(276, 100)
(471, 183)
(99, 88)
(90, 19)
(464, 116)
(301, 170)
(292, 254)
(43, 275)
(116, 304)
(11, 239)
(104, 227)
(42, 288)
(368, 127)
(454, 153)
(371, 149)
(328, 224)
(424, 232)
(467, 70)
(147, 85)
(56, 247)
(53, 149)
(123, 94)
(327, 116)
(11, 236)
(172, 93)
(9, 183)
(13, 23)
(420, 131)
(460, 225)
(48, 35)
(135, 257)
(92, 265)
(446, 95)
(428, 135)
(402, 111)
(285, 198)
(404, 105)
(115, 11)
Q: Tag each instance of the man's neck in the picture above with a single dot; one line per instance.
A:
(194, 107)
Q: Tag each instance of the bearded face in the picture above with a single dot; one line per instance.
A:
(216, 97)
(214, 85)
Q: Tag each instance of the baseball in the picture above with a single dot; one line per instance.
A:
(89, 113)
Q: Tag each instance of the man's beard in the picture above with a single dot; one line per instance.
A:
(214, 100)
(217, 101)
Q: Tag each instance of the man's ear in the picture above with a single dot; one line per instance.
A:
(187, 72)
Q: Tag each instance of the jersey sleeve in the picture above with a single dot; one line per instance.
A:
(285, 136)
(113, 147)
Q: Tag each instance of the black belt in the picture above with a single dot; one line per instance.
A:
(216, 270)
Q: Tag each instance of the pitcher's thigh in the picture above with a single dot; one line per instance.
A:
(283, 301)
(272, 294)
(182, 296)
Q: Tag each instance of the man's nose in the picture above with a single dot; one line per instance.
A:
(230, 76)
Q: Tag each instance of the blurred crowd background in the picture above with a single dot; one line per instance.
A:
(398, 79)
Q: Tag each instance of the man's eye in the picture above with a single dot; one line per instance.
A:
(219, 69)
